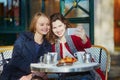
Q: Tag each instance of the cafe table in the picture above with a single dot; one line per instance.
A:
(75, 67)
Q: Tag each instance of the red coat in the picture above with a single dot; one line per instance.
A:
(80, 47)
(78, 44)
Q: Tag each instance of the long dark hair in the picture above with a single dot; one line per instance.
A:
(56, 16)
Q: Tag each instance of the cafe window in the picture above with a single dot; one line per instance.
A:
(13, 20)
(76, 8)
(79, 12)
(12, 15)
(10, 12)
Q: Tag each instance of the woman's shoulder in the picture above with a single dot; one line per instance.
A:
(26, 35)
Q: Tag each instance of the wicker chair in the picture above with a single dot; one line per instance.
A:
(102, 56)
(5, 55)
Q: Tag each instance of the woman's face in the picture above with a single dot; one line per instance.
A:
(58, 28)
(42, 25)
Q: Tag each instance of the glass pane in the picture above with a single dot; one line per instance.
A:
(9, 14)
(76, 8)
(50, 7)
(1, 12)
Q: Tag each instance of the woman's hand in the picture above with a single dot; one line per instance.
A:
(81, 33)
(26, 77)
(40, 75)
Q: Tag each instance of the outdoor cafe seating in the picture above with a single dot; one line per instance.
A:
(100, 54)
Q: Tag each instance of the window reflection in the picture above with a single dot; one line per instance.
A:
(9, 12)
(80, 8)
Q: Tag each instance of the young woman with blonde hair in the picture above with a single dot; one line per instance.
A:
(28, 48)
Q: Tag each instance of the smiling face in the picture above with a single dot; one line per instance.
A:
(58, 28)
(42, 25)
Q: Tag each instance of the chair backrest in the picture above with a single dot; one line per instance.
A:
(6, 52)
(5, 55)
(102, 56)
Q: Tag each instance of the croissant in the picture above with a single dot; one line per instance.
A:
(67, 60)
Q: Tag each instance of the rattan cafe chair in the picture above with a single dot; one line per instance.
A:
(5, 55)
(102, 56)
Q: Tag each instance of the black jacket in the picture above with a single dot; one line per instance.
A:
(23, 55)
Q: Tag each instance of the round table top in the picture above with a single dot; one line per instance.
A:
(75, 67)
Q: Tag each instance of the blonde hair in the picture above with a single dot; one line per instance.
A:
(34, 21)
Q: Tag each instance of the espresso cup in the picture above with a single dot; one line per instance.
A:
(80, 56)
(53, 57)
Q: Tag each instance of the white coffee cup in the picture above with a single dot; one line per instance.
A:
(80, 56)
(53, 56)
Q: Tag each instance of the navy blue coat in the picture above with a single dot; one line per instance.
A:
(24, 53)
